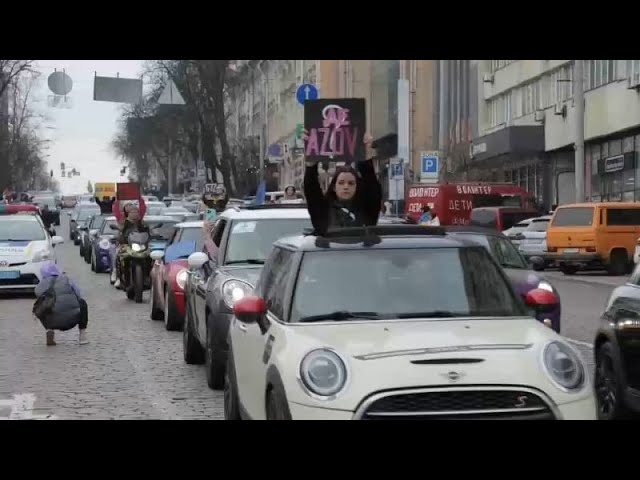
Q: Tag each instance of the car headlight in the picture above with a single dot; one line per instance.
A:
(181, 278)
(41, 256)
(104, 244)
(563, 366)
(546, 286)
(234, 290)
(136, 247)
(323, 373)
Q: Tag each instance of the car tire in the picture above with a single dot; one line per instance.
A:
(81, 250)
(214, 362)
(156, 313)
(171, 317)
(539, 268)
(94, 263)
(608, 385)
(618, 262)
(191, 348)
(276, 406)
(231, 404)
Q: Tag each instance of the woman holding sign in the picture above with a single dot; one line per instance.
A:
(353, 198)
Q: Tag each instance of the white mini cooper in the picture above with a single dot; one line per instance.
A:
(396, 322)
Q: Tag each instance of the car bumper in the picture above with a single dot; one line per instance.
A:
(304, 412)
(29, 277)
(577, 259)
(584, 409)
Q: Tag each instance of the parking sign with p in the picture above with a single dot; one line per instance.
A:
(430, 165)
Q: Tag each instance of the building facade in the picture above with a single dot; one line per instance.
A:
(527, 125)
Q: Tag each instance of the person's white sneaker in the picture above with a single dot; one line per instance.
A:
(82, 337)
(113, 278)
(117, 284)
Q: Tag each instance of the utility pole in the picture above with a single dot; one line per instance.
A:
(578, 78)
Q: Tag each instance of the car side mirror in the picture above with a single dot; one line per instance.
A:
(542, 301)
(252, 309)
(113, 227)
(56, 240)
(157, 255)
(537, 263)
(93, 232)
(196, 260)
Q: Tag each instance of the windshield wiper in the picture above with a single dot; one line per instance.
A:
(14, 240)
(511, 265)
(341, 315)
(252, 261)
(431, 314)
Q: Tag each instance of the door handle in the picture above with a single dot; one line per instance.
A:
(241, 326)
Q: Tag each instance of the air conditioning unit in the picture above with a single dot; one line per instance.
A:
(488, 78)
(633, 82)
(560, 109)
(539, 116)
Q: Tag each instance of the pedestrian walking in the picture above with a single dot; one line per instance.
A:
(429, 217)
(352, 199)
(60, 305)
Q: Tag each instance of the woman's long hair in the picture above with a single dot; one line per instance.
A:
(330, 195)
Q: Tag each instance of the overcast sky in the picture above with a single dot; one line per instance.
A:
(81, 135)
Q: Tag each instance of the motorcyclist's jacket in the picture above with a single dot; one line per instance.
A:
(129, 227)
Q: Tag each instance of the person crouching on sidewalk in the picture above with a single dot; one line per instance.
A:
(69, 308)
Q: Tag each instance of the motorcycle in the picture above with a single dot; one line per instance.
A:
(137, 264)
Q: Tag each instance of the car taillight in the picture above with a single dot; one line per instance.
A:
(591, 249)
(552, 249)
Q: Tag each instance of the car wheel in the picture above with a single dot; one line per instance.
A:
(156, 313)
(231, 405)
(276, 406)
(192, 350)
(213, 358)
(172, 320)
(81, 250)
(94, 265)
(608, 385)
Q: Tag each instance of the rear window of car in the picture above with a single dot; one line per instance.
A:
(486, 218)
(573, 217)
(538, 225)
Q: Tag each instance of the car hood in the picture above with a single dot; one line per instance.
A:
(21, 252)
(383, 355)
(247, 274)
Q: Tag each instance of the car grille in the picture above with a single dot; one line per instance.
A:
(26, 279)
(457, 404)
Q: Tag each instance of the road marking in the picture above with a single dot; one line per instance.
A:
(22, 408)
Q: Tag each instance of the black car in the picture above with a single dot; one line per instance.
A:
(88, 232)
(617, 353)
(78, 217)
(241, 241)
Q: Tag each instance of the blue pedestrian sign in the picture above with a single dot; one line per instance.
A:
(306, 91)
(430, 164)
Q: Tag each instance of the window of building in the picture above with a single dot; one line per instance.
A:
(498, 64)
(615, 147)
(627, 144)
(633, 71)
(599, 72)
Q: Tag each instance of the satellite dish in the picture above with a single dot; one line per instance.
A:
(60, 83)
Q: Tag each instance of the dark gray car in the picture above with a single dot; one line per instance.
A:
(241, 241)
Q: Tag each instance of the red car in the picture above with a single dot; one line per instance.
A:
(169, 274)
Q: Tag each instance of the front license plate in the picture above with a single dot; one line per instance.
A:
(9, 274)
(571, 250)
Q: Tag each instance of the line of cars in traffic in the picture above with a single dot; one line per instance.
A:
(348, 325)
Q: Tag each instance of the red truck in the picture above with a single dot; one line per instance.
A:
(453, 202)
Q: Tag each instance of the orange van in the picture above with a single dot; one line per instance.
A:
(594, 236)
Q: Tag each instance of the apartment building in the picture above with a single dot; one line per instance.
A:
(526, 127)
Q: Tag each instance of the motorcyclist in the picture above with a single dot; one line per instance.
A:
(132, 223)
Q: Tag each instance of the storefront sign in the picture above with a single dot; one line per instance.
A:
(614, 164)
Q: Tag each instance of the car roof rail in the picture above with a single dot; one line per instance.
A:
(382, 230)
(269, 206)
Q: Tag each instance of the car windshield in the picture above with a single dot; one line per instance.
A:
(502, 249)
(403, 283)
(161, 229)
(538, 225)
(519, 228)
(96, 221)
(193, 234)
(573, 217)
(85, 213)
(252, 240)
(21, 230)
(106, 227)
